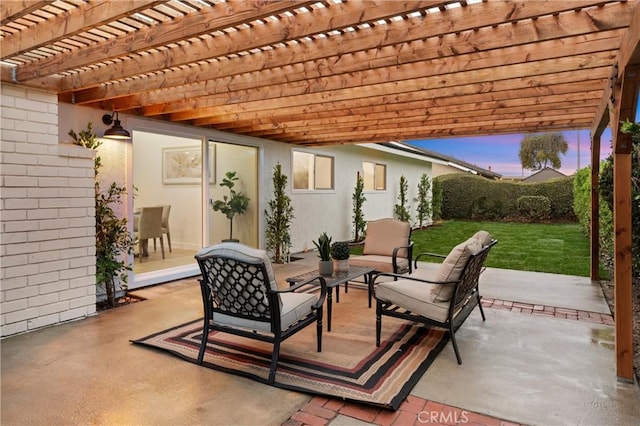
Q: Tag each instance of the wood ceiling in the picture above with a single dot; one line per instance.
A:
(324, 72)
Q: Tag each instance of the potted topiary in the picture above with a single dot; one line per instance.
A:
(235, 203)
(340, 255)
(323, 244)
(278, 217)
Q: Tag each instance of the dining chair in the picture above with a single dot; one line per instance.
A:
(149, 227)
(166, 209)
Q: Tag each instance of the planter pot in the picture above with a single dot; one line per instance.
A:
(325, 267)
(341, 265)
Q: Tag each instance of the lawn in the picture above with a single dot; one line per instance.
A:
(553, 248)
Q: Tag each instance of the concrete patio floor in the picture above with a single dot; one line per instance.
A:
(544, 356)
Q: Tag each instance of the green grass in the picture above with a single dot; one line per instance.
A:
(553, 248)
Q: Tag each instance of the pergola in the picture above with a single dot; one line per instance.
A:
(351, 71)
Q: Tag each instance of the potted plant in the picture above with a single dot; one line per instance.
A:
(340, 255)
(358, 216)
(113, 240)
(278, 218)
(235, 203)
(323, 244)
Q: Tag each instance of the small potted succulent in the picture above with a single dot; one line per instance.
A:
(340, 255)
(323, 244)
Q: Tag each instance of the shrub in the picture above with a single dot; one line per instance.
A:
(534, 207)
(474, 197)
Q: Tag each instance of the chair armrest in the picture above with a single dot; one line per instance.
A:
(394, 256)
(323, 289)
(424, 254)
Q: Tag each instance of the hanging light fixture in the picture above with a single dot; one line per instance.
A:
(116, 131)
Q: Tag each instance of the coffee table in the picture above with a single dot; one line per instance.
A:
(333, 280)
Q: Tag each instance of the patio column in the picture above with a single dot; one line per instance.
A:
(595, 207)
(627, 93)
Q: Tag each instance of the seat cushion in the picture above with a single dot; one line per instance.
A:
(452, 267)
(384, 235)
(380, 263)
(295, 306)
(413, 296)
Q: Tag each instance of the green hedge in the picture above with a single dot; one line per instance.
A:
(534, 207)
(474, 197)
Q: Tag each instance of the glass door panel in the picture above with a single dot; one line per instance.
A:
(243, 160)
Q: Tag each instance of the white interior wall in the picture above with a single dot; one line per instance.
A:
(185, 199)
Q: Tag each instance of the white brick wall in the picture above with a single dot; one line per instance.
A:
(47, 217)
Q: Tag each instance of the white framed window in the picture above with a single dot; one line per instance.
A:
(375, 176)
(312, 171)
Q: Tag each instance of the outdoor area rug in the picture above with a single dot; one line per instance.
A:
(350, 366)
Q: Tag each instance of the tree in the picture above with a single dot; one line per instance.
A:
(278, 218)
(113, 240)
(235, 203)
(401, 210)
(423, 210)
(540, 150)
(358, 201)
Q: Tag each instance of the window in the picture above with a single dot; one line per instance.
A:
(375, 176)
(311, 171)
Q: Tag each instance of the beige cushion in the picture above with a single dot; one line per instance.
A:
(383, 235)
(483, 236)
(380, 263)
(295, 306)
(413, 296)
(451, 268)
(242, 253)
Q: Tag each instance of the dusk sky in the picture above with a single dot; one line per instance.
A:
(501, 152)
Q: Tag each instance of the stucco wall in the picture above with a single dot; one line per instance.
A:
(47, 217)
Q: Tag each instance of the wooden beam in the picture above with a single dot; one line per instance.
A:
(84, 18)
(625, 108)
(360, 70)
(336, 89)
(16, 9)
(595, 209)
(319, 56)
(319, 20)
(396, 113)
(629, 54)
(415, 120)
(440, 132)
(566, 88)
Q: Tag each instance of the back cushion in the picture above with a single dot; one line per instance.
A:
(483, 236)
(451, 268)
(384, 235)
(244, 254)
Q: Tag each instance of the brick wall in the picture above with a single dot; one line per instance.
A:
(47, 217)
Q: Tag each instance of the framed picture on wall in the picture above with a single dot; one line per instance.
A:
(183, 165)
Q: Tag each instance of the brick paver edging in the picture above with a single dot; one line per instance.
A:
(550, 311)
(321, 411)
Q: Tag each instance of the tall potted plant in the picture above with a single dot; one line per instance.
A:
(113, 240)
(358, 199)
(278, 217)
(235, 203)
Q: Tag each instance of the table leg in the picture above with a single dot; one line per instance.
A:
(329, 307)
